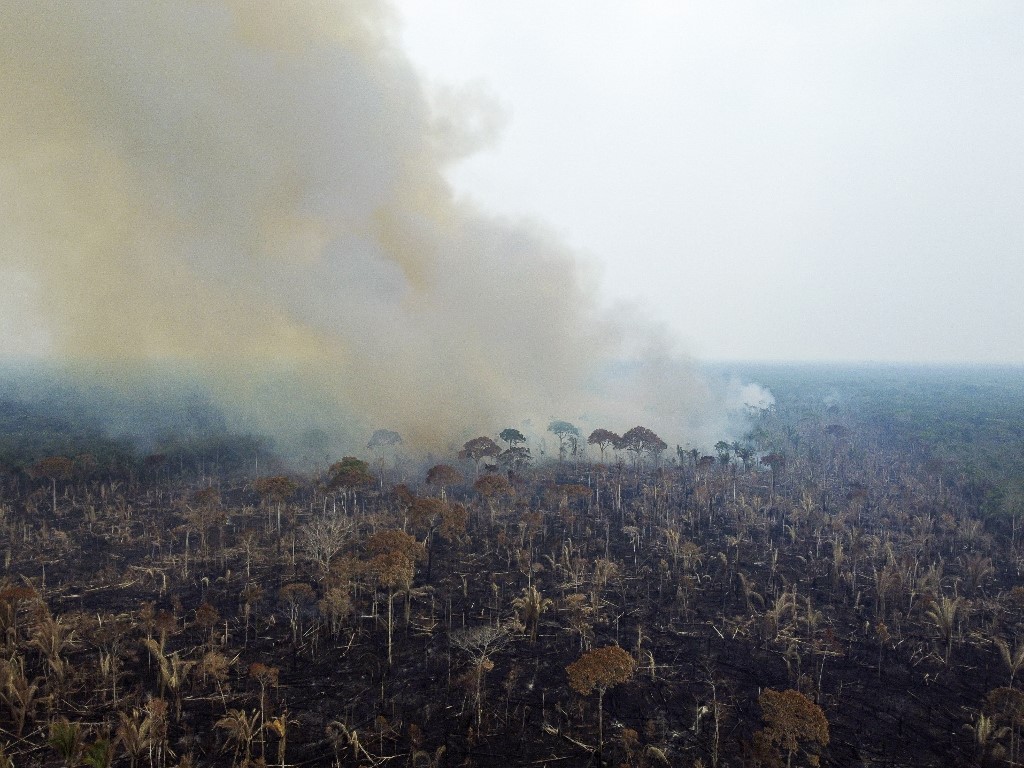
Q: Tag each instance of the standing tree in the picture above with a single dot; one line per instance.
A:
(205, 514)
(384, 438)
(1005, 706)
(279, 727)
(275, 490)
(1013, 661)
(429, 515)
(790, 718)
(53, 468)
(296, 596)
(777, 462)
(393, 567)
(480, 644)
(241, 729)
(641, 440)
(745, 452)
(603, 439)
(531, 606)
(512, 436)
(568, 438)
(266, 677)
(380, 441)
(492, 489)
(349, 473)
(478, 450)
(724, 451)
(393, 571)
(323, 539)
(443, 475)
(600, 669)
(66, 740)
(943, 615)
(425, 515)
(515, 459)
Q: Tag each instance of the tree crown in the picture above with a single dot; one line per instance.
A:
(600, 668)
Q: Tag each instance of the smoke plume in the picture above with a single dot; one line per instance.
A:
(252, 195)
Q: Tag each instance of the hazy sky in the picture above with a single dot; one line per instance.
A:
(253, 195)
(786, 180)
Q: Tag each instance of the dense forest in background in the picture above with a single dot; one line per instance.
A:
(966, 421)
(841, 585)
(43, 413)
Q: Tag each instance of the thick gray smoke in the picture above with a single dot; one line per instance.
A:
(251, 195)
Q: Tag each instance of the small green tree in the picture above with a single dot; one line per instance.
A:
(99, 754)
(66, 740)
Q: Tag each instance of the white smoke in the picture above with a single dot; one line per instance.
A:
(252, 195)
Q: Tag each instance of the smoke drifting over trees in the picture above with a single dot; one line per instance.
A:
(252, 195)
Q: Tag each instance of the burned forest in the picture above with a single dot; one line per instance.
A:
(839, 586)
(359, 404)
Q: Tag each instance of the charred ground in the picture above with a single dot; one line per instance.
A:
(860, 546)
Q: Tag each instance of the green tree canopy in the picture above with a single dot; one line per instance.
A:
(512, 437)
(349, 473)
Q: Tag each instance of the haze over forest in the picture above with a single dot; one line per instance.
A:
(251, 199)
(275, 206)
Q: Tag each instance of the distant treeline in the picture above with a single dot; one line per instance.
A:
(113, 434)
(967, 421)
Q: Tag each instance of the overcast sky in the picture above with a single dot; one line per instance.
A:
(787, 180)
